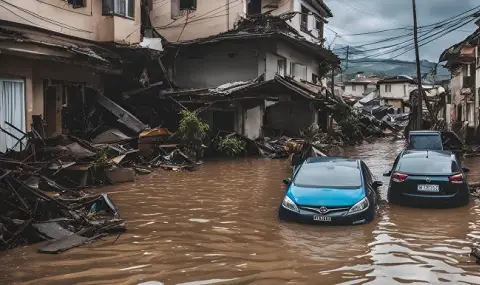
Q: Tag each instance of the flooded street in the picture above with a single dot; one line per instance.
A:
(219, 226)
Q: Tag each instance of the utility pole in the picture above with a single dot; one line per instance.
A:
(346, 64)
(476, 86)
(333, 80)
(419, 114)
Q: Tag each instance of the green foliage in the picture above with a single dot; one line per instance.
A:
(313, 134)
(102, 156)
(231, 146)
(350, 124)
(192, 131)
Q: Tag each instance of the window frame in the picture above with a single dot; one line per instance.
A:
(304, 18)
(75, 3)
(282, 62)
(194, 6)
(128, 4)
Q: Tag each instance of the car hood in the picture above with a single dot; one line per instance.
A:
(306, 196)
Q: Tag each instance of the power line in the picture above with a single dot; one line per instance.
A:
(59, 24)
(405, 44)
(201, 16)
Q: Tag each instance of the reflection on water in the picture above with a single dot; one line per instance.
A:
(218, 226)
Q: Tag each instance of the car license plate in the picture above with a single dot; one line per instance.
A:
(428, 188)
(322, 218)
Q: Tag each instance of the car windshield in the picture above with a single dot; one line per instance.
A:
(424, 142)
(429, 166)
(328, 176)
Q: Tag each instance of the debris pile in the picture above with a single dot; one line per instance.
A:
(35, 208)
(42, 186)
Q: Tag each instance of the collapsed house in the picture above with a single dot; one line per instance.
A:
(260, 65)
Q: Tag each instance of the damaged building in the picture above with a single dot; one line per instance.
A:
(463, 61)
(55, 53)
(261, 56)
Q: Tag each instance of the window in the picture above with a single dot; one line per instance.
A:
(254, 7)
(188, 4)
(388, 88)
(314, 78)
(325, 176)
(12, 110)
(177, 6)
(319, 28)
(304, 19)
(354, 87)
(125, 8)
(434, 165)
(298, 70)
(281, 65)
(77, 3)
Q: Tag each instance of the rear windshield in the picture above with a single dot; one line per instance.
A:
(424, 142)
(319, 176)
(432, 166)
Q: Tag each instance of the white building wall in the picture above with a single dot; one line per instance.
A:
(295, 23)
(214, 66)
(295, 56)
(360, 89)
(253, 122)
(398, 91)
(456, 86)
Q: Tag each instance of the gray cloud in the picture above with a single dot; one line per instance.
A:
(359, 16)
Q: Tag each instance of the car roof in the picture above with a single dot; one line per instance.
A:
(322, 160)
(428, 154)
(424, 132)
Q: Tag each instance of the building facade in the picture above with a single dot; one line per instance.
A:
(263, 46)
(360, 85)
(184, 20)
(463, 61)
(50, 50)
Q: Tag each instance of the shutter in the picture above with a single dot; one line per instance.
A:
(175, 9)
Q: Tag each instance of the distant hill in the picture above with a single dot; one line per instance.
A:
(389, 67)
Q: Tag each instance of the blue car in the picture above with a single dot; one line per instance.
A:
(330, 190)
(428, 178)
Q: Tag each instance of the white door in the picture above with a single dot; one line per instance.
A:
(12, 110)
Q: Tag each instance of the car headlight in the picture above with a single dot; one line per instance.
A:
(288, 204)
(359, 207)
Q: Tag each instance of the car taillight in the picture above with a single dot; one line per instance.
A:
(399, 177)
(456, 179)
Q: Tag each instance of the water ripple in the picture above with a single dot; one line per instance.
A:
(218, 226)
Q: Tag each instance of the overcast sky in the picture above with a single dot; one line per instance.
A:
(358, 16)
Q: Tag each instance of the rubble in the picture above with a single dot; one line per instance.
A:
(42, 196)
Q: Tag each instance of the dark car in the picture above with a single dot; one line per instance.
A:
(428, 178)
(330, 190)
(425, 140)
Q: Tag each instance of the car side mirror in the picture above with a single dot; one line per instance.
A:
(466, 170)
(377, 183)
(287, 181)
(387, 173)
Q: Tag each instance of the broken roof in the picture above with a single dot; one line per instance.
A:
(397, 79)
(266, 26)
(454, 53)
(322, 5)
(255, 89)
(108, 57)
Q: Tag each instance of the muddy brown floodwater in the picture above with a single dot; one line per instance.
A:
(219, 226)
